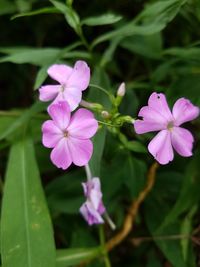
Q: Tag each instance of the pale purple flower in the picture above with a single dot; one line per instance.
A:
(93, 208)
(72, 81)
(69, 135)
(158, 117)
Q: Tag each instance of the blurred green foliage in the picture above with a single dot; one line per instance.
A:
(151, 46)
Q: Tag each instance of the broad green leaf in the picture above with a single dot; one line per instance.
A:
(134, 171)
(101, 20)
(71, 16)
(21, 120)
(170, 248)
(161, 12)
(98, 143)
(35, 56)
(7, 7)
(187, 54)
(189, 194)
(71, 257)
(154, 18)
(26, 230)
(45, 10)
(149, 46)
(95, 95)
(65, 193)
(186, 230)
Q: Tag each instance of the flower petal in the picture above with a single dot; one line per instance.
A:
(81, 150)
(60, 72)
(60, 113)
(184, 111)
(158, 102)
(72, 96)
(182, 141)
(51, 134)
(146, 126)
(60, 155)
(90, 214)
(80, 76)
(161, 148)
(48, 92)
(83, 125)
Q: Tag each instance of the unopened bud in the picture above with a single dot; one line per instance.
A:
(105, 114)
(121, 90)
(90, 105)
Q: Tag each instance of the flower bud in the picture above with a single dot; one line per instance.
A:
(121, 90)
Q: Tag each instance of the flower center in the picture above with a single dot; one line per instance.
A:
(170, 125)
(62, 88)
(65, 133)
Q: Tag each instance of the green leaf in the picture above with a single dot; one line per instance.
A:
(170, 248)
(21, 120)
(45, 10)
(71, 16)
(35, 56)
(26, 230)
(149, 46)
(101, 20)
(153, 19)
(189, 194)
(65, 193)
(71, 257)
(7, 7)
(95, 95)
(186, 230)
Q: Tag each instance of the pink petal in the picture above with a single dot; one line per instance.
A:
(48, 92)
(90, 214)
(83, 125)
(182, 141)
(60, 113)
(81, 150)
(73, 97)
(80, 76)
(146, 126)
(51, 134)
(60, 72)
(158, 102)
(161, 148)
(184, 111)
(60, 155)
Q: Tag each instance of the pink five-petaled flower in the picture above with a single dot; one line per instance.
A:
(72, 81)
(158, 117)
(93, 208)
(69, 135)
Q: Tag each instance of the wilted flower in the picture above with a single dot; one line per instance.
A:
(93, 208)
(72, 81)
(158, 117)
(69, 135)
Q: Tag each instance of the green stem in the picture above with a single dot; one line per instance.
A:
(109, 124)
(102, 89)
(103, 246)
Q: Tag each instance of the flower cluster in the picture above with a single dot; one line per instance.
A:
(69, 134)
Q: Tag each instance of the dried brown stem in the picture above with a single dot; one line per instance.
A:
(133, 210)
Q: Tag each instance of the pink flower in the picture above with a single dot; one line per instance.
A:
(69, 135)
(93, 208)
(158, 117)
(72, 81)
